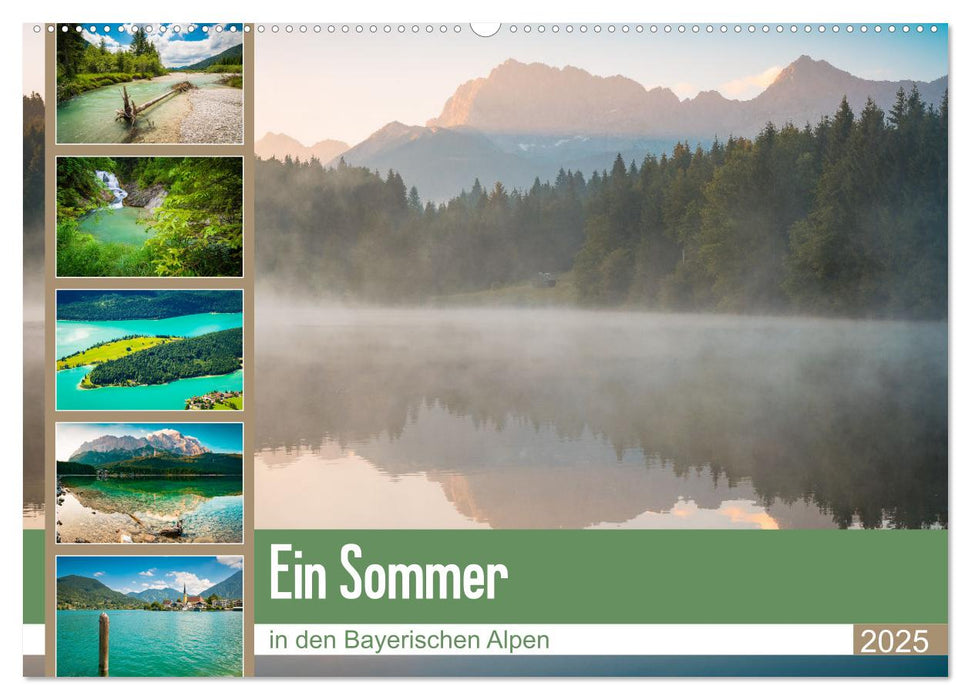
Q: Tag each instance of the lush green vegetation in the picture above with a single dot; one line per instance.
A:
(210, 354)
(847, 217)
(83, 305)
(231, 58)
(112, 350)
(83, 66)
(233, 403)
(83, 593)
(196, 231)
(208, 463)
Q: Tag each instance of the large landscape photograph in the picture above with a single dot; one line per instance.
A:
(150, 83)
(603, 281)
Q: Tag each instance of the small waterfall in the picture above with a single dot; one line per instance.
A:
(111, 182)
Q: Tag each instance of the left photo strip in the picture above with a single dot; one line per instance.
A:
(137, 153)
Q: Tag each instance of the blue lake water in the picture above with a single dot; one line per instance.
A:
(211, 507)
(146, 643)
(73, 336)
(156, 397)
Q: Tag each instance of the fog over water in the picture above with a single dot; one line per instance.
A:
(557, 418)
(33, 395)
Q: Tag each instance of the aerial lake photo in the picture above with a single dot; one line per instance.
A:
(149, 482)
(163, 616)
(560, 418)
(148, 358)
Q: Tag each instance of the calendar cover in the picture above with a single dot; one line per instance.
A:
(485, 350)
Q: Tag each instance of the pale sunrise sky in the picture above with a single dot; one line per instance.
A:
(315, 86)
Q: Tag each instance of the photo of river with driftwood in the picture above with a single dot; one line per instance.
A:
(170, 85)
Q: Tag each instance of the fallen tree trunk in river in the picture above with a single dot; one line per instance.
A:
(130, 111)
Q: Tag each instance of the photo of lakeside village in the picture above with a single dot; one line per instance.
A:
(117, 616)
(149, 350)
(173, 483)
(150, 83)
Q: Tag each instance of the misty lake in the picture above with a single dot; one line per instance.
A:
(435, 418)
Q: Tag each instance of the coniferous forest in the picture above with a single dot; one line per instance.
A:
(847, 217)
(83, 66)
(215, 353)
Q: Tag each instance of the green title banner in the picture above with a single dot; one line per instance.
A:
(618, 576)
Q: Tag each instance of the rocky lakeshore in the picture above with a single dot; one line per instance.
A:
(78, 523)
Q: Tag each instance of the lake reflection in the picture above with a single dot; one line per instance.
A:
(572, 419)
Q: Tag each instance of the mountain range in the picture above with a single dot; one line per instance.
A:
(82, 592)
(231, 587)
(150, 595)
(231, 56)
(524, 121)
(280, 146)
(110, 448)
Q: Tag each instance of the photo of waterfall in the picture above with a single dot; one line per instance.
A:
(149, 217)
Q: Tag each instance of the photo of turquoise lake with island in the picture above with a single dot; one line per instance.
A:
(124, 360)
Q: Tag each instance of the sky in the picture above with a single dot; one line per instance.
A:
(350, 85)
(33, 60)
(135, 574)
(178, 43)
(218, 437)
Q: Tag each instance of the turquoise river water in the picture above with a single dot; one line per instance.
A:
(90, 117)
(127, 225)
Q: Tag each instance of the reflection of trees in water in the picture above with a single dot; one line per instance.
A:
(33, 329)
(851, 416)
(33, 466)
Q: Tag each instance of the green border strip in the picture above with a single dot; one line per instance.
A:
(34, 577)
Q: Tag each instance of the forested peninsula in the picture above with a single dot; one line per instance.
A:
(209, 354)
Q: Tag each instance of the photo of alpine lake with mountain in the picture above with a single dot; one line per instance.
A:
(149, 350)
(150, 83)
(149, 217)
(149, 616)
(145, 482)
(513, 284)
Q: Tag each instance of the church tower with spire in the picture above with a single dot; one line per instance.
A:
(185, 596)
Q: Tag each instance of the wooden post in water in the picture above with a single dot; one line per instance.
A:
(103, 645)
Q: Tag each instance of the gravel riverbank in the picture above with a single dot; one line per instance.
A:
(216, 116)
